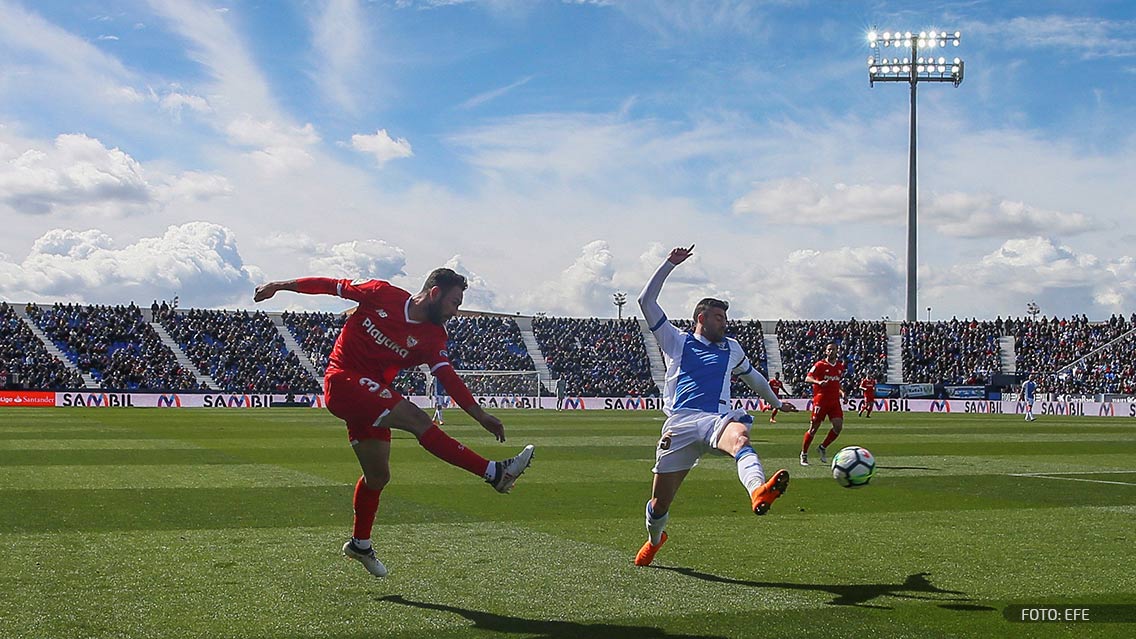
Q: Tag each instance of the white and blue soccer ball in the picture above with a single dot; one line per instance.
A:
(853, 467)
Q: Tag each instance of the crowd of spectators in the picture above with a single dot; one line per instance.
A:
(115, 345)
(25, 362)
(1070, 356)
(596, 357)
(955, 352)
(242, 352)
(862, 345)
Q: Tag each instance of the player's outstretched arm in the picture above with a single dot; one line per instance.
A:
(306, 285)
(462, 397)
(649, 297)
(755, 380)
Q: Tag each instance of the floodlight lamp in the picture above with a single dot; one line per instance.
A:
(920, 68)
(956, 43)
(957, 60)
(954, 70)
(922, 43)
(957, 35)
(907, 36)
(942, 68)
(906, 69)
(922, 34)
(887, 35)
(942, 60)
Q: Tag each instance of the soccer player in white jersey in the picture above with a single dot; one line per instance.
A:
(696, 400)
(1029, 392)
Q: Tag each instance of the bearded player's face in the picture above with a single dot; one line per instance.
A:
(444, 304)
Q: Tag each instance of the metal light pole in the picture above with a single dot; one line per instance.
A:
(619, 299)
(913, 68)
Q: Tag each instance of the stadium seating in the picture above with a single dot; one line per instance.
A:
(862, 345)
(25, 361)
(596, 358)
(115, 345)
(954, 352)
(1065, 356)
(242, 352)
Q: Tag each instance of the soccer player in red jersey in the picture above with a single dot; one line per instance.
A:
(825, 377)
(868, 385)
(778, 387)
(389, 331)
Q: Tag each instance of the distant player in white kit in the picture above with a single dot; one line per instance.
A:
(439, 402)
(1029, 392)
(696, 400)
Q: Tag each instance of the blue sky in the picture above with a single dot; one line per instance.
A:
(554, 152)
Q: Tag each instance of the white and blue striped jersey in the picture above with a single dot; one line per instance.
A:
(1028, 390)
(698, 370)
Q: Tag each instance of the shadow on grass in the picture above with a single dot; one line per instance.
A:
(906, 467)
(543, 627)
(916, 586)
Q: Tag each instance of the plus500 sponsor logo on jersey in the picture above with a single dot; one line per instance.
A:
(383, 340)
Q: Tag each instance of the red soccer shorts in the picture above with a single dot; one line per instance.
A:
(362, 402)
(829, 410)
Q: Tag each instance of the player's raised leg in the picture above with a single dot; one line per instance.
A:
(735, 441)
(500, 474)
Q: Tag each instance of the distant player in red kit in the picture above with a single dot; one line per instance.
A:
(825, 377)
(392, 330)
(868, 385)
(778, 387)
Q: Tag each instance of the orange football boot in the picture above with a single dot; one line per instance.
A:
(764, 496)
(647, 552)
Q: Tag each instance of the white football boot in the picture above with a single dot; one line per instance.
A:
(366, 557)
(510, 469)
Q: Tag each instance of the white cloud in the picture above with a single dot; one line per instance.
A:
(1090, 37)
(279, 147)
(339, 41)
(373, 259)
(79, 174)
(865, 282)
(381, 146)
(480, 296)
(801, 201)
(1062, 280)
(199, 261)
(488, 96)
(584, 286)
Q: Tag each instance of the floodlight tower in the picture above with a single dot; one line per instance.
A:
(916, 63)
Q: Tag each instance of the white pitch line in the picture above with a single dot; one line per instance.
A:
(1091, 481)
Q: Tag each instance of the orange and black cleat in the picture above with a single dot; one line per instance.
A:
(647, 552)
(768, 492)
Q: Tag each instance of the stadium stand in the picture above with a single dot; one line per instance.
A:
(115, 345)
(954, 352)
(1077, 357)
(862, 345)
(25, 362)
(596, 358)
(243, 353)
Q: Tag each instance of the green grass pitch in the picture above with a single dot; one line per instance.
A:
(228, 523)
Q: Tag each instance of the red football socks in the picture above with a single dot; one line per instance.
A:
(832, 435)
(366, 504)
(439, 444)
(809, 434)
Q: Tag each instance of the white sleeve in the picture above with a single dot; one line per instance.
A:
(670, 338)
(757, 382)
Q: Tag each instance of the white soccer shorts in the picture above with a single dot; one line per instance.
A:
(688, 435)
